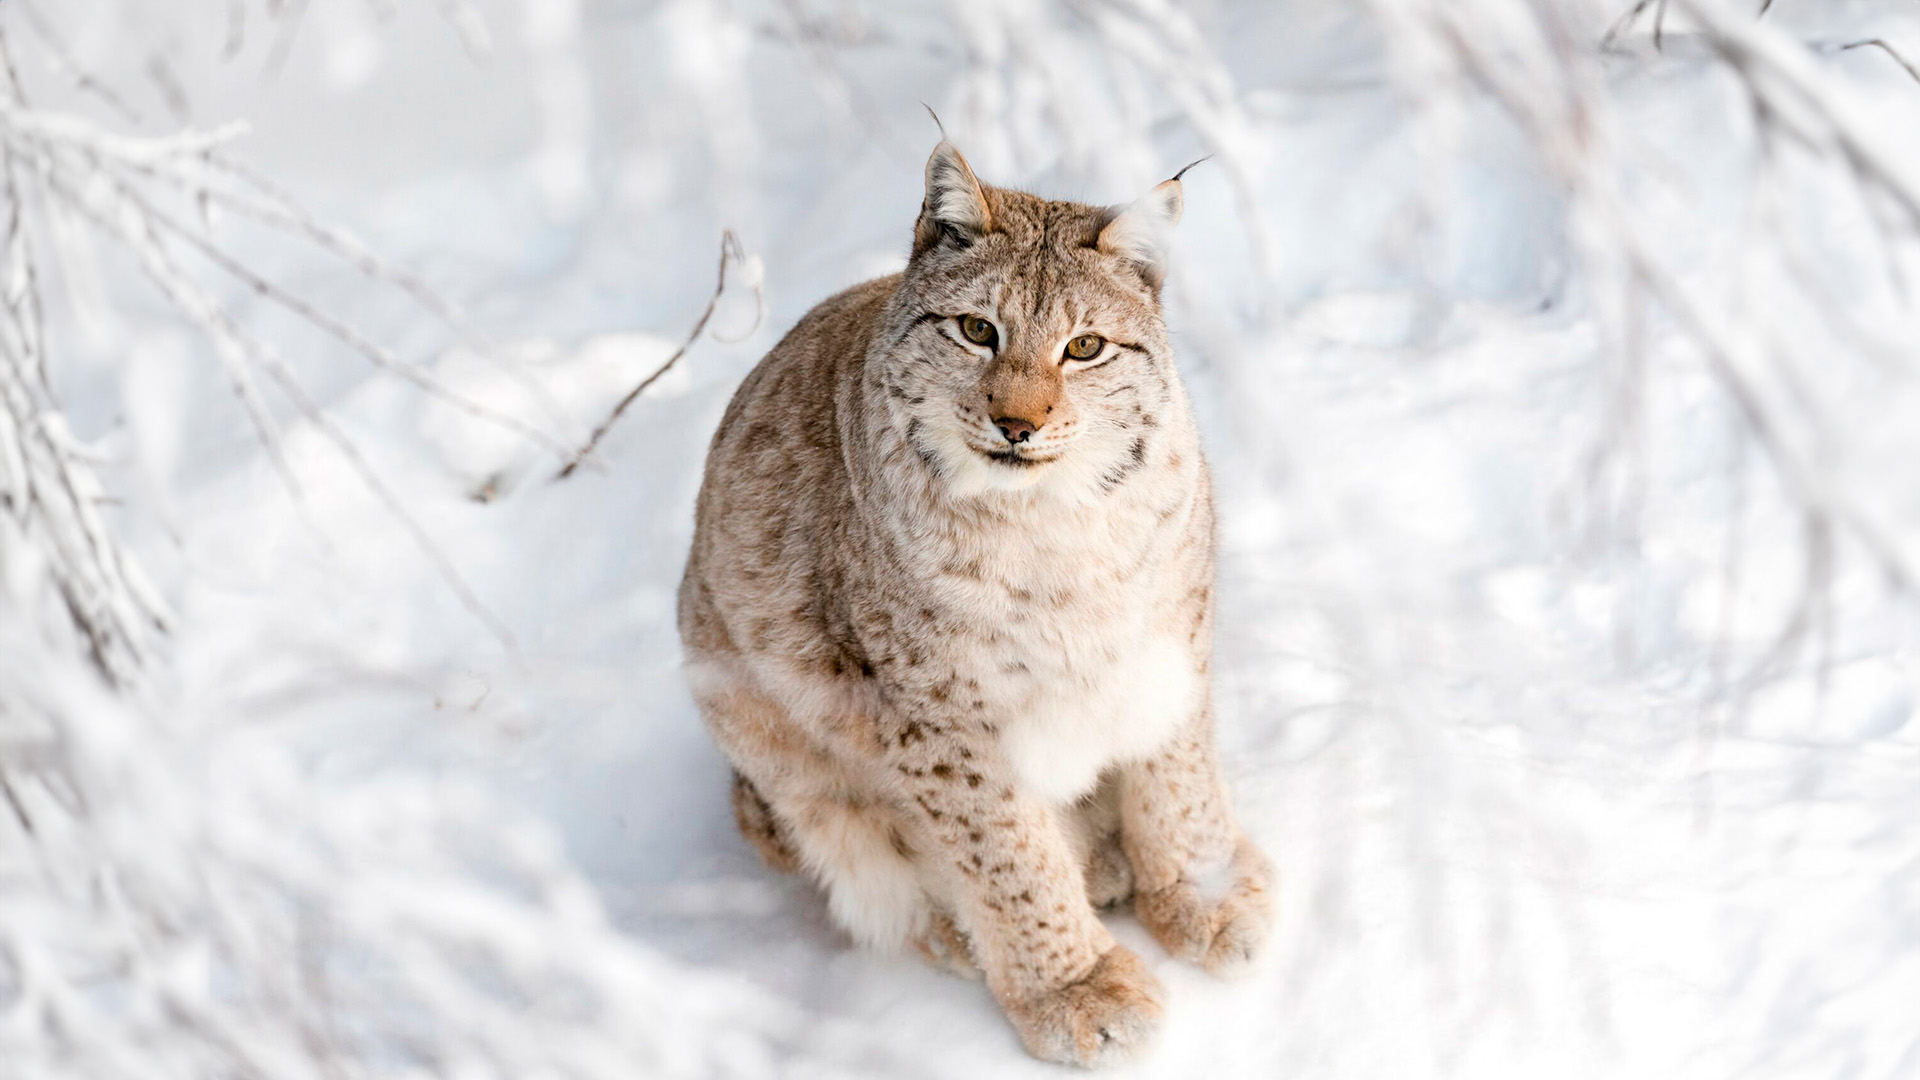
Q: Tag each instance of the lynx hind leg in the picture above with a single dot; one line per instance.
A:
(1109, 874)
(947, 947)
(873, 890)
(1096, 839)
(761, 827)
(796, 804)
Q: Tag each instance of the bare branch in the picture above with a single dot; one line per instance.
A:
(1626, 21)
(13, 802)
(730, 252)
(96, 176)
(63, 61)
(241, 348)
(340, 331)
(1879, 43)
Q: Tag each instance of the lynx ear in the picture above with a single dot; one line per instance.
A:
(1139, 232)
(955, 207)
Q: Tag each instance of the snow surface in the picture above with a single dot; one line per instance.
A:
(1485, 713)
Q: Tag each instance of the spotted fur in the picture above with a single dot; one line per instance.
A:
(964, 679)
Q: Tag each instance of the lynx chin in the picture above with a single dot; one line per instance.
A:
(949, 612)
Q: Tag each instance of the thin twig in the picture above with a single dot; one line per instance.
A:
(344, 247)
(13, 800)
(730, 251)
(1623, 24)
(378, 355)
(290, 21)
(277, 210)
(283, 212)
(236, 29)
(1911, 71)
(164, 273)
(468, 24)
(1632, 16)
(422, 540)
(190, 304)
(1777, 68)
(62, 59)
(105, 180)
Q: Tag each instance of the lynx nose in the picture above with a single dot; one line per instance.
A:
(1015, 429)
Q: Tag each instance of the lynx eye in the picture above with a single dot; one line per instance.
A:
(978, 330)
(1085, 347)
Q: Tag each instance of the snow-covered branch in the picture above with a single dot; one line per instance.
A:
(179, 901)
(1548, 70)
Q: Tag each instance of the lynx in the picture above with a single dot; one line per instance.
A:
(949, 613)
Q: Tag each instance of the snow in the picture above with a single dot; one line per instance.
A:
(1502, 574)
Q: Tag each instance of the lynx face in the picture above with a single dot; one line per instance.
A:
(1030, 351)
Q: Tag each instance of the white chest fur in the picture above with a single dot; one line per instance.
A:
(1065, 731)
(1082, 668)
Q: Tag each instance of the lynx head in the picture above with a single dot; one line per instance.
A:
(1027, 348)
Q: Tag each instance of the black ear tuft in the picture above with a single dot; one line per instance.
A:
(1176, 176)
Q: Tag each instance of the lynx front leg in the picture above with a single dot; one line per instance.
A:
(1072, 993)
(1200, 886)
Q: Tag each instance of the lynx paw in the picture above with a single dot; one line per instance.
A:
(946, 946)
(1100, 1020)
(1222, 933)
